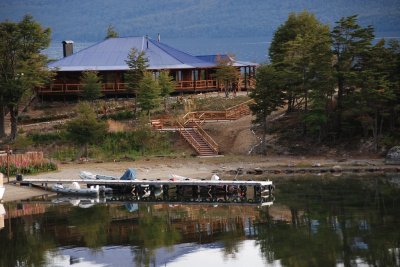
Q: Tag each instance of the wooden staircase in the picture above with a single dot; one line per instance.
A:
(190, 126)
(199, 142)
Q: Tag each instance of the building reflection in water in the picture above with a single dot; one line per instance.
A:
(314, 222)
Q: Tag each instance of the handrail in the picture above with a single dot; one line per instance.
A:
(229, 113)
(207, 138)
(191, 141)
(241, 104)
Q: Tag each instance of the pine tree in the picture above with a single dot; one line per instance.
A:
(138, 63)
(91, 85)
(148, 94)
(111, 32)
(268, 96)
(86, 129)
(350, 43)
(167, 86)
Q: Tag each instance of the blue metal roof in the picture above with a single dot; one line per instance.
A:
(111, 54)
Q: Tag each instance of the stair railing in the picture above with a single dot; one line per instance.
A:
(193, 142)
(211, 143)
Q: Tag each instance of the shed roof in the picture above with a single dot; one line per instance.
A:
(111, 54)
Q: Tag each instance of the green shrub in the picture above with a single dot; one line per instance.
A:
(65, 153)
(22, 142)
(29, 169)
(45, 138)
(122, 115)
(135, 143)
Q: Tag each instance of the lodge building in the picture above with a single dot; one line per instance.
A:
(191, 73)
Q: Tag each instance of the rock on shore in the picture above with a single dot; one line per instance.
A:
(393, 156)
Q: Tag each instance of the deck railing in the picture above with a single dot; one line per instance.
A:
(75, 88)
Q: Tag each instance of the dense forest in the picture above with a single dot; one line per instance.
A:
(88, 20)
(336, 84)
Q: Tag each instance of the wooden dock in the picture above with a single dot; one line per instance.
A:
(150, 182)
(209, 187)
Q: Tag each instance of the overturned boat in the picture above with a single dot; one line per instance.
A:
(129, 175)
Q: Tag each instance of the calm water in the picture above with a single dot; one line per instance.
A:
(253, 49)
(324, 221)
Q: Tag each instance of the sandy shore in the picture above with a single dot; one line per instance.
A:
(161, 168)
(199, 167)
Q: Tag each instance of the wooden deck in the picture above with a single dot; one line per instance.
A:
(121, 88)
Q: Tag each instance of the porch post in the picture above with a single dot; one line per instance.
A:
(245, 78)
(194, 79)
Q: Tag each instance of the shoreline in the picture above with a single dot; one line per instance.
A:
(229, 167)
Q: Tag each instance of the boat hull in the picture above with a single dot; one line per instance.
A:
(2, 190)
(75, 190)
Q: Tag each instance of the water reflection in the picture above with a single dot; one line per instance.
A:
(324, 221)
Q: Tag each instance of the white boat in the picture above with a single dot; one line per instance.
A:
(2, 188)
(175, 177)
(75, 189)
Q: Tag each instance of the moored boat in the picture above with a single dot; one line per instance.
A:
(2, 188)
(75, 189)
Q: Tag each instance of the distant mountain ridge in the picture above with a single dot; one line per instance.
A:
(88, 20)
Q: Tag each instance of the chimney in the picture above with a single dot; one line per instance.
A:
(68, 48)
(158, 37)
(147, 41)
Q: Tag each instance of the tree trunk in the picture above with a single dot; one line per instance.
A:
(264, 137)
(135, 103)
(375, 131)
(305, 108)
(14, 121)
(2, 122)
(339, 105)
(86, 151)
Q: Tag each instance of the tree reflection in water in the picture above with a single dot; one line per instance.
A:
(313, 222)
(342, 221)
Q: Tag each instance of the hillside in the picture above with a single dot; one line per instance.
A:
(88, 20)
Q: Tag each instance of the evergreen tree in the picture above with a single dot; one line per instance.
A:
(300, 49)
(86, 129)
(148, 93)
(268, 96)
(350, 44)
(167, 86)
(138, 63)
(91, 85)
(376, 91)
(393, 63)
(111, 32)
(22, 65)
